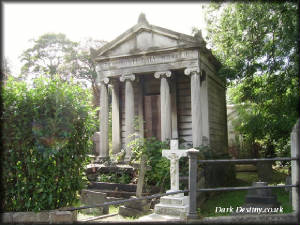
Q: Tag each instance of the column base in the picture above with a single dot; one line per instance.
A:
(101, 159)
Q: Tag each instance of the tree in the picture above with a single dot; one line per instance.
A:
(55, 54)
(81, 65)
(48, 55)
(257, 44)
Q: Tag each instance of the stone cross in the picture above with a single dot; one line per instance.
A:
(174, 154)
(140, 183)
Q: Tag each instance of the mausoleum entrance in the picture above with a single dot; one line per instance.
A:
(152, 116)
(164, 85)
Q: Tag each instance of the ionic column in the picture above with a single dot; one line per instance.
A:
(195, 105)
(129, 112)
(116, 139)
(104, 109)
(165, 103)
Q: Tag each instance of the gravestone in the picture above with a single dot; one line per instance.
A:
(93, 197)
(177, 204)
(261, 198)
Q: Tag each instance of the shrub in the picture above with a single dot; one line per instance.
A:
(159, 175)
(115, 178)
(46, 138)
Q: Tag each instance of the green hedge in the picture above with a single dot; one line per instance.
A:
(46, 134)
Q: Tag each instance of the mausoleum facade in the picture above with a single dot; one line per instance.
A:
(164, 85)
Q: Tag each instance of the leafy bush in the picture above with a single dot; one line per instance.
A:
(159, 175)
(115, 178)
(46, 138)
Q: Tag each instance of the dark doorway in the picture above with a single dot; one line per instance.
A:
(152, 116)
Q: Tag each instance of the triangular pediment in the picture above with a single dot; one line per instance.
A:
(143, 38)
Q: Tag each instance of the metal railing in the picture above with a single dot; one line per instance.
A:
(192, 214)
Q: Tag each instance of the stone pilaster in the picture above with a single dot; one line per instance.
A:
(129, 112)
(194, 73)
(104, 109)
(165, 103)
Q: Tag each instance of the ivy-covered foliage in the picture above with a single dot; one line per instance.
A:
(257, 43)
(46, 137)
(159, 175)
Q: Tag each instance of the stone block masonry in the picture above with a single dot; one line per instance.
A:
(49, 217)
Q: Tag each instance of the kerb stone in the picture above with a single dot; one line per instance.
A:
(62, 217)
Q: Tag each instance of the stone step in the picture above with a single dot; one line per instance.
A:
(169, 200)
(159, 218)
(170, 210)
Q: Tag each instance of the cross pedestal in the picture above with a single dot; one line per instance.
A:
(174, 156)
(176, 204)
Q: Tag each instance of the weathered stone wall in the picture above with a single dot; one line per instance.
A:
(217, 117)
(50, 217)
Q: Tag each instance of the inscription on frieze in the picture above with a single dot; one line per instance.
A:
(132, 61)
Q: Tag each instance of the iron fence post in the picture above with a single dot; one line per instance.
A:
(192, 154)
(295, 167)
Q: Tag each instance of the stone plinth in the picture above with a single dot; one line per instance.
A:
(173, 206)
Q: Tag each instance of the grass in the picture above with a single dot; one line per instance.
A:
(237, 198)
(113, 209)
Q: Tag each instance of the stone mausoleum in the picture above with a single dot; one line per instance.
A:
(164, 85)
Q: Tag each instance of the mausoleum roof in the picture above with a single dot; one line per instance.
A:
(144, 38)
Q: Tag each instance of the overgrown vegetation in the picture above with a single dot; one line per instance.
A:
(159, 175)
(46, 139)
(257, 44)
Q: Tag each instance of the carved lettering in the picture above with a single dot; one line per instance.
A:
(147, 60)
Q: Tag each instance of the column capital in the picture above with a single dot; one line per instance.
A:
(127, 76)
(103, 81)
(161, 74)
(192, 70)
